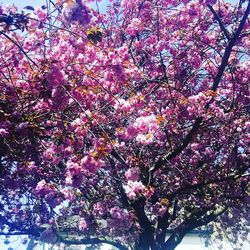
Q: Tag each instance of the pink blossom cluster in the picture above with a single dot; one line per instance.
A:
(49, 192)
(132, 174)
(120, 218)
(143, 129)
(83, 225)
(55, 77)
(134, 26)
(100, 209)
(74, 174)
(76, 11)
(133, 189)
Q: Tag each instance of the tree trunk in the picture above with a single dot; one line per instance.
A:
(174, 240)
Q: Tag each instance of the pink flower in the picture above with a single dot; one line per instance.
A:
(119, 72)
(90, 163)
(133, 188)
(158, 209)
(99, 209)
(83, 225)
(148, 192)
(68, 194)
(132, 174)
(42, 188)
(129, 192)
(134, 26)
(55, 77)
(4, 132)
(49, 153)
(119, 218)
(41, 14)
(123, 105)
(76, 11)
(146, 123)
(211, 1)
(137, 186)
(48, 192)
(31, 166)
(74, 174)
(145, 139)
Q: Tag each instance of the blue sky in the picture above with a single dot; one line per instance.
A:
(36, 3)
(23, 3)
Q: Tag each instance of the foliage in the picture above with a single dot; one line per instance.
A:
(124, 126)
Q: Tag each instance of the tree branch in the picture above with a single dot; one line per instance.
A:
(197, 220)
(214, 87)
(146, 236)
(229, 48)
(205, 183)
(92, 241)
(19, 47)
(224, 30)
(181, 147)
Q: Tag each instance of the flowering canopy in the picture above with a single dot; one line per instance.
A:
(123, 126)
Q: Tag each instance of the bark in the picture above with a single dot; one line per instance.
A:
(174, 240)
(146, 239)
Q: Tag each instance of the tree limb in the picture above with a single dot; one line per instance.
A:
(146, 236)
(205, 183)
(89, 241)
(214, 87)
(224, 30)
(19, 47)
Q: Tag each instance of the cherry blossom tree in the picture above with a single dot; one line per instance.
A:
(128, 127)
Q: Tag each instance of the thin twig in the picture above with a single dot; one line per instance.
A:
(223, 28)
(19, 47)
